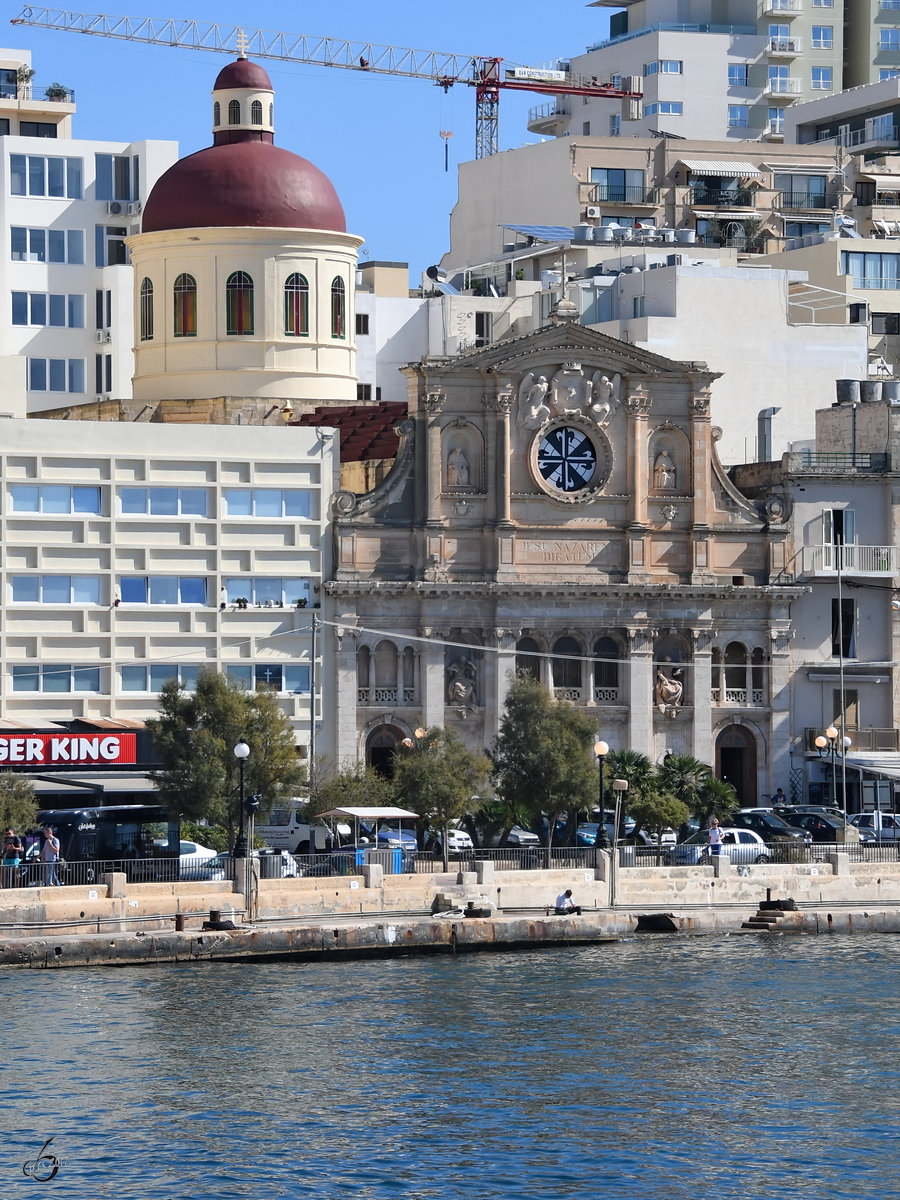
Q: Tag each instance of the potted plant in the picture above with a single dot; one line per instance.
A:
(57, 91)
(24, 76)
(241, 602)
(301, 602)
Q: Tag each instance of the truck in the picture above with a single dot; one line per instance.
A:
(288, 829)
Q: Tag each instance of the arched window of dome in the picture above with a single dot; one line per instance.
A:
(234, 112)
(146, 310)
(217, 114)
(296, 306)
(338, 308)
(256, 113)
(272, 115)
(239, 303)
(185, 296)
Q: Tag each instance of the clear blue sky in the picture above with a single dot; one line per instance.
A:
(376, 137)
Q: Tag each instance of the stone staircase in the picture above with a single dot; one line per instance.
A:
(768, 916)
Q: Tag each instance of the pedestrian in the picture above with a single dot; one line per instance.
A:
(715, 837)
(12, 857)
(50, 857)
(779, 798)
(566, 906)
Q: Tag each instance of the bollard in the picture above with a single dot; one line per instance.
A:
(215, 914)
(179, 922)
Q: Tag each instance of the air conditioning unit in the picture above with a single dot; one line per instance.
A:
(115, 208)
(134, 209)
(592, 212)
(101, 335)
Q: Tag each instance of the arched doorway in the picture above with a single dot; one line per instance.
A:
(736, 762)
(380, 749)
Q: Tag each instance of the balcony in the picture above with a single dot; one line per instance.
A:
(385, 695)
(53, 93)
(790, 7)
(549, 119)
(780, 47)
(822, 561)
(809, 200)
(739, 697)
(774, 131)
(870, 739)
(703, 197)
(603, 193)
(787, 86)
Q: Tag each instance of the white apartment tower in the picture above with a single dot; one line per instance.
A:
(66, 209)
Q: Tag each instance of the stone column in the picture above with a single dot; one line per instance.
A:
(638, 407)
(640, 687)
(434, 406)
(779, 699)
(702, 747)
(500, 669)
(701, 479)
(344, 717)
(434, 681)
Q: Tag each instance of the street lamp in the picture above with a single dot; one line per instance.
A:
(830, 745)
(601, 749)
(241, 751)
(620, 787)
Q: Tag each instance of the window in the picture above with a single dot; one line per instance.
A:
(619, 186)
(163, 502)
(217, 113)
(296, 306)
(886, 323)
(877, 272)
(823, 3)
(276, 677)
(800, 191)
(46, 677)
(109, 246)
(114, 177)
(738, 74)
(848, 718)
(585, 129)
(823, 37)
(56, 374)
(651, 68)
(162, 589)
(266, 502)
(365, 392)
(234, 112)
(776, 120)
(888, 73)
(889, 39)
(36, 308)
(527, 660)
(880, 128)
(185, 301)
(670, 66)
(566, 667)
(606, 671)
(267, 593)
(38, 129)
(794, 229)
(843, 628)
(615, 125)
(483, 328)
(54, 498)
(822, 79)
(362, 324)
(256, 113)
(665, 108)
(146, 310)
(55, 589)
(239, 303)
(134, 678)
(738, 116)
(638, 306)
(779, 36)
(338, 308)
(47, 245)
(32, 175)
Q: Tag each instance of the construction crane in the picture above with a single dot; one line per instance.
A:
(486, 74)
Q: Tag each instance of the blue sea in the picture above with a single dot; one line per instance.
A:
(661, 1067)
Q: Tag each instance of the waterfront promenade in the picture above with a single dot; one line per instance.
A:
(114, 922)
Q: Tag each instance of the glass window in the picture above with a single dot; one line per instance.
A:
(619, 186)
(38, 309)
(256, 113)
(296, 306)
(163, 501)
(146, 310)
(56, 589)
(55, 498)
(86, 679)
(217, 113)
(822, 79)
(25, 498)
(160, 674)
(234, 112)
(76, 374)
(18, 249)
(239, 304)
(75, 246)
(875, 272)
(133, 501)
(185, 299)
(267, 502)
(888, 73)
(338, 308)
(17, 174)
(889, 39)
(133, 679)
(193, 502)
(270, 677)
(56, 678)
(238, 502)
(240, 675)
(85, 589)
(192, 591)
(25, 679)
(296, 679)
(823, 37)
(37, 374)
(670, 66)
(188, 676)
(133, 590)
(25, 589)
(86, 500)
(163, 589)
(737, 74)
(20, 308)
(738, 116)
(57, 375)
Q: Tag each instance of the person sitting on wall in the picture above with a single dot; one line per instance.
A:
(566, 906)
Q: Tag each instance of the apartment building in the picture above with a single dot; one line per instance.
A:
(67, 207)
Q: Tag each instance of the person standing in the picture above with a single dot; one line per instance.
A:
(12, 857)
(715, 837)
(50, 857)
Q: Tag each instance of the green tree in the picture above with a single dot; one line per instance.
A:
(657, 811)
(352, 787)
(194, 737)
(18, 805)
(715, 798)
(436, 776)
(543, 761)
(638, 772)
(693, 782)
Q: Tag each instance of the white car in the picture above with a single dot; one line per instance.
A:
(194, 860)
(518, 836)
(457, 839)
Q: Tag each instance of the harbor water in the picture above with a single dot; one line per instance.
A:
(661, 1067)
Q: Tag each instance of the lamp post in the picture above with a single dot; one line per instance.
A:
(601, 749)
(620, 787)
(830, 745)
(241, 751)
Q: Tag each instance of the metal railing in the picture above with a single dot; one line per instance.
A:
(608, 193)
(785, 852)
(34, 873)
(804, 200)
(724, 197)
(851, 559)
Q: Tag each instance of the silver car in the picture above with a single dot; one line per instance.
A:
(740, 845)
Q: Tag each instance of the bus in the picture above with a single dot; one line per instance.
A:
(142, 840)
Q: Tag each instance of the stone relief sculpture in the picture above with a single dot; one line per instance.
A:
(604, 395)
(457, 468)
(533, 410)
(569, 390)
(461, 683)
(669, 690)
(664, 472)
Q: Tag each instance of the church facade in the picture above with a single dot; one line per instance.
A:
(557, 506)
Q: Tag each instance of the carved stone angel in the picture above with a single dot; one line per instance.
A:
(533, 409)
(605, 395)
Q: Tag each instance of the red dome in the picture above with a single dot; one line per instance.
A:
(242, 74)
(243, 183)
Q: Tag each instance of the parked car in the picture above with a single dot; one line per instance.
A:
(878, 826)
(396, 837)
(194, 860)
(768, 825)
(518, 836)
(788, 811)
(457, 839)
(740, 845)
(824, 828)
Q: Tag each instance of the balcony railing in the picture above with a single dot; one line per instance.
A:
(606, 695)
(739, 696)
(32, 91)
(805, 200)
(385, 695)
(783, 6)
(788, 46)
(850, 559)
(726, 198)
(611, 194)
(838, 461)
(784, 87)
(861, 739)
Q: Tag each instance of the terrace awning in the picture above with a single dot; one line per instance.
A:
(722, 166)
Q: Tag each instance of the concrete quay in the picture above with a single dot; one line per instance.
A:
(116, 923)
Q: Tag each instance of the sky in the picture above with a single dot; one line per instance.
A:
(377, 137)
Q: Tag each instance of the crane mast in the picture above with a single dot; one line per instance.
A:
(484, 73)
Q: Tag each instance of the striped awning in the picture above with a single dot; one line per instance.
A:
(722, 166)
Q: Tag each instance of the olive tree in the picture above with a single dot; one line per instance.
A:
(18, 804)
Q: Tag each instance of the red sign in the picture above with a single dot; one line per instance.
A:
(56, 749)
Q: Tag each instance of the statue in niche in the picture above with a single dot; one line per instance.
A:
(669, 689)
(457, 468)
(533, 409)
(664, 472)
(461, 681)
(603, 395)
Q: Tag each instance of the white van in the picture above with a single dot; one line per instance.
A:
(288, 829)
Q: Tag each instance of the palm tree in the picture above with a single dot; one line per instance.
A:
(715, 798)
(639, 772)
